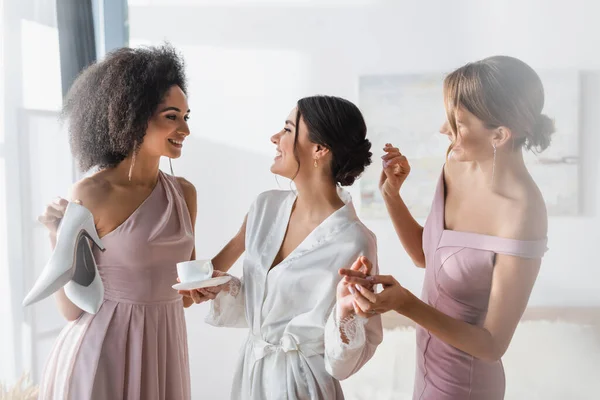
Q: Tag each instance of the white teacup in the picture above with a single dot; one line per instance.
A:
(194, 270)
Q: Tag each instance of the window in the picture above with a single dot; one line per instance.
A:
(35, 167)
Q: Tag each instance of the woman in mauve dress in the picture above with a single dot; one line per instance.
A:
(485, 236)
(125, 113)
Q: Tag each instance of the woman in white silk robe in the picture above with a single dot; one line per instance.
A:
(294, 348)
(304, 336)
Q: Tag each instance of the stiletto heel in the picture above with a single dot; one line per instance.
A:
(88, 227)
(91, 233)
(77, 222)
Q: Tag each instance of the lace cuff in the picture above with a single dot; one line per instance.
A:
(353, 328)
(234, 286)
(228, 308)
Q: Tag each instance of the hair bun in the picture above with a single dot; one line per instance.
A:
(338, 125)
(358, 158)
(541, 133)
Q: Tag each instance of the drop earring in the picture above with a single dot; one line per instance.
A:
(132, 160)
(171, 166)
(494, 163)
(316, 164)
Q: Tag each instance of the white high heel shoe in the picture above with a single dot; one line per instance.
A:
(77, 223)
(85, 289)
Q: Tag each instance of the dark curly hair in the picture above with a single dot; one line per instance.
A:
(338, 125)
(110, 103)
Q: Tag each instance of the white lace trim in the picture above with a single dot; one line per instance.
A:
(216, 316)
(234, 287)
(353, 328)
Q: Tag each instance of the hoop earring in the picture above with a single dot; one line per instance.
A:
(494, 163)
(132, 160)
(171, 166)
(316, 164)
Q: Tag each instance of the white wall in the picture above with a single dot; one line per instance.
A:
(248, 64)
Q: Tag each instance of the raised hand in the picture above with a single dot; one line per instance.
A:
(395, 170)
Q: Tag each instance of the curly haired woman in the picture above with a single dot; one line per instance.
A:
(125, 113)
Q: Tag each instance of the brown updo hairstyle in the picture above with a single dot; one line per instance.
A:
(338, 125)
(501, 91)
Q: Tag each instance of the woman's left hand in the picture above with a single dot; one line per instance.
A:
(198, 296)
(359, 271)
(393, 297)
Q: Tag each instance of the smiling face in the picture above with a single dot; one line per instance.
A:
(168, 127)
(323, 141)
(285, 163)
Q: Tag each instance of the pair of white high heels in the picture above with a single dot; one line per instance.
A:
(72, 264)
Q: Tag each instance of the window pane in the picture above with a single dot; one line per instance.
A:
(6, 367)
(50, 161)
(41, 67)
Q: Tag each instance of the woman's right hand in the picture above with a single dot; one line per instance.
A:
(395, 170)
(51, 217)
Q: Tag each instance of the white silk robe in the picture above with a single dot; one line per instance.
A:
(294, 349)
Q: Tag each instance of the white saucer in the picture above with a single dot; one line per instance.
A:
(202, 284)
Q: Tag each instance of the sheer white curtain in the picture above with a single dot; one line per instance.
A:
(35, 167)
(6, 363)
